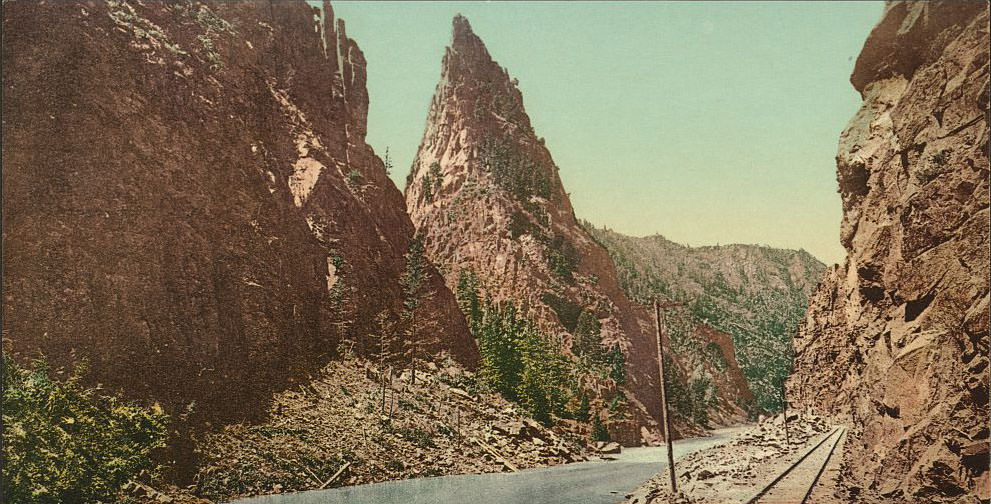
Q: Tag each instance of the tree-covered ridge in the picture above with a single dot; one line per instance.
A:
(754, 293)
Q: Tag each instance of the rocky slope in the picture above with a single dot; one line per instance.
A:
(345, 421)
(897, 337)
(756, 294)
(485, 193)
(189, 203)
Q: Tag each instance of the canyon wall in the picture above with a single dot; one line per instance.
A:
(896, 338)
(189, 204)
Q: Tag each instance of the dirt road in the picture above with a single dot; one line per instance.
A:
(596, 482)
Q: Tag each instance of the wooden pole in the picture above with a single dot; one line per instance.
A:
(666, 424)
(784, 403)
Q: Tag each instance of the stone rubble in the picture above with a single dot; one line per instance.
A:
(443, 424)
(731, 472)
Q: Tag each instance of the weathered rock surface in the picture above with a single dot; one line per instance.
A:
(189, 203)
(897, 337)
(485, 192)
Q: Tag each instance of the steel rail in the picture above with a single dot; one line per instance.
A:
(779, 477)
(822, 469)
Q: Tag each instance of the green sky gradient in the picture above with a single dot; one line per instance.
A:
(707, 122)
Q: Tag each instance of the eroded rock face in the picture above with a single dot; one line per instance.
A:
(485, 192)
(897, 337)
(189, 203)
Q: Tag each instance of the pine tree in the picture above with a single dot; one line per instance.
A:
(387, 162)
(588, 339)
(436, 177)
(583, 412)
(468, 296)
(617, 365)
(415, 290)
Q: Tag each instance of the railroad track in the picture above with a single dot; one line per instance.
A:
(794, 485)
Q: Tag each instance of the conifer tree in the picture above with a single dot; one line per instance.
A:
(415, 290)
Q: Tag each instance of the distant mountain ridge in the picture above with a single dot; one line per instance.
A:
(756, 294)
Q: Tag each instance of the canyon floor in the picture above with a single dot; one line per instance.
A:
(600, 481)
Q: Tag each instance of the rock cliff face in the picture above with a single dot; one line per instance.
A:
(755, 294)
(189, 203)
(485, 193)
(897, 337)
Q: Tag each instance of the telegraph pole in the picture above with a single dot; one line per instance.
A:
(784, 403)
(664, 400)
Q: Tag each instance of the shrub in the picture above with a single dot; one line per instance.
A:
(926, 173)
(562, 258)
(599, 432)
(520, 225)
(513, 171)
(63, 442)
(941, 158)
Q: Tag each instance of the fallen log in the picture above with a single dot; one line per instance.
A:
(335, 476)
(492, 451)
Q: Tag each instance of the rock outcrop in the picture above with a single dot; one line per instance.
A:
(189, 203)
(756, 294)
(486, 194)
(897, 337)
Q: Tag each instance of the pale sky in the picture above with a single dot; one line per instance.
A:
(707, 122)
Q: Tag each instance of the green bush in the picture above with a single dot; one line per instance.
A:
(65, 443)
(513, 171)
(599, 432)
(562, 258)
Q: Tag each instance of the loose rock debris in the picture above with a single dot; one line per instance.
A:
(732, 471)
(340, 429)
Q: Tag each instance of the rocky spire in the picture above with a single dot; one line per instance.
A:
(485, 192)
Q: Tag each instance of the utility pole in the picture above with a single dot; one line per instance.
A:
(784, 403)
(664, 400)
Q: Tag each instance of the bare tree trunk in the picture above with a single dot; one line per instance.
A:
(412, 359)
(392, 398)
(382, 379)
